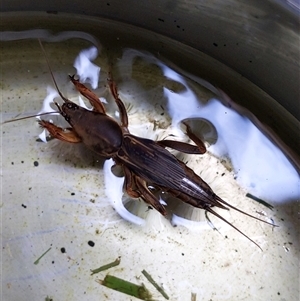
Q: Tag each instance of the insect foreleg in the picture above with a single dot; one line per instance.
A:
(60, 133)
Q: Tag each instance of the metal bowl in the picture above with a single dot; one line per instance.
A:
(249, 50)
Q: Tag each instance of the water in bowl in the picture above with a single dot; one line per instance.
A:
(60, 196)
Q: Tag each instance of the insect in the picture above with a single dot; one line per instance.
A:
(144, 162)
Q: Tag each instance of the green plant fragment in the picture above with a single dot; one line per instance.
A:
(249, 195)
(107, 266)
(152, 281)
(126, 287)
(38, 260)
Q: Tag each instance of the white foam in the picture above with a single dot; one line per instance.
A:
(260, 166)
(86, 70)
(43, 136)
(82, 103)
(46, 107)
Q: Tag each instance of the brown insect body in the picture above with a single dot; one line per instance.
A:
(145, 162)
(90, 126)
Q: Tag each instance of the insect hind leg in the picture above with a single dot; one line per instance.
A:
(201, 146)
(114, 91)
(87, 93)
(148, 196)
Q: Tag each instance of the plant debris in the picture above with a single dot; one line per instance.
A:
(193, 297)
(249, 195)
(38, 260)
(151, 280)
(126, 287)
(107, 266)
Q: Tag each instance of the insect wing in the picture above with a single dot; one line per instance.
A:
(159, 167)
(151, 162)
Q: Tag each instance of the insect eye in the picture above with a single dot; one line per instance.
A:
(72, 106)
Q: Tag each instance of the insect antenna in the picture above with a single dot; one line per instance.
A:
(51, 73)
(30, 116)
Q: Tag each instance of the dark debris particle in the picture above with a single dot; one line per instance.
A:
(161, 20)
(182, 254)
(108, 4)
(72, 193)
(91, 243)
(215, 44)
(36, 163)
(63, 250)
(24, 206)
(12, 163)
(223, 174)
(52, 262)
(22, 162)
